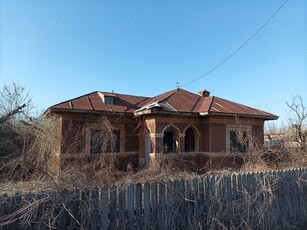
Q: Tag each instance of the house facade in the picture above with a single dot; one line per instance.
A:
(172, 124)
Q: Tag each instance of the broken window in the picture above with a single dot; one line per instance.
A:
(105, 142)
(189, 143)
(238, 141)
(168, 142)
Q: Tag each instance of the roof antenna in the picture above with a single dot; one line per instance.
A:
(177, 86)
(112, 91)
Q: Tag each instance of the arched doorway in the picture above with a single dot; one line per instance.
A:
(170, 140)
(190, 142)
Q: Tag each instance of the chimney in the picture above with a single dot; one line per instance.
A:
(204, 93)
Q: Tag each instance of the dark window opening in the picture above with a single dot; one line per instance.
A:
(189, 143)
(109, 100)
(104, 142)
(169, 142)
(238, 143)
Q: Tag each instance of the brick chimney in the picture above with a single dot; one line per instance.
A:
(204, 93)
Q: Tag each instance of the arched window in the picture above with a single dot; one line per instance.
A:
(170, 140)
(190, 140)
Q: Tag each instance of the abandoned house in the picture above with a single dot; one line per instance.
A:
(175, 123)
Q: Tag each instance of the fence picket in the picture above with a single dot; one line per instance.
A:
(131, 206)
(202, 204)
(154, 203)
(16, 200)
(113, 207)
(3, 209)
(196, 214)
(94, 208)
(176, 197)
(104, 208)
(182, 207)
(162, 205)
(147, 217)
(74, 207)
(138, 208)
(169, 205)
(189, 201)
(29, 198)
(63, 218)
(85, 207)
(122, 207)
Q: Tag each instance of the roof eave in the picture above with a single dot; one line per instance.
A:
(100, 112)
(163, 112)
(240, 115)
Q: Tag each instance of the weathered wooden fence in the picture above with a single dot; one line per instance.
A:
(236, 201)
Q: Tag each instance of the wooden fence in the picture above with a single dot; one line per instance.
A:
(236, 201)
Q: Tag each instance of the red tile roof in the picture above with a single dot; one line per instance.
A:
(178, 101)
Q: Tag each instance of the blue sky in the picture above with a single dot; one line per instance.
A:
(63, 49)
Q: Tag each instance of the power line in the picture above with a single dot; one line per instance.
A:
(237, 50)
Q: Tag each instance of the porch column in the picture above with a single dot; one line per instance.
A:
(181, 143)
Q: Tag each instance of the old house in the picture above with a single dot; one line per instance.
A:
(175, 123)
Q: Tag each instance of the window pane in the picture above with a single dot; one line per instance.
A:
(168, 142)
(189, 140)
(115, 141)
(238, 143)
(105, 142)
(96, 141)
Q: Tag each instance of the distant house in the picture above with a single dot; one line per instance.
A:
(175, 123)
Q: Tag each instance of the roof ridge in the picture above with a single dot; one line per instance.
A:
(171, 94)
(90, 101)
(102, 92)
(211, 102)
(193, 107)
(168, 94)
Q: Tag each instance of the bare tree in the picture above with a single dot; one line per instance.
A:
(15, 103)
(270, 128)
(15, 108)
(298, 121)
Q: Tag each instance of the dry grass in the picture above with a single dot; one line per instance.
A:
(275, 159)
